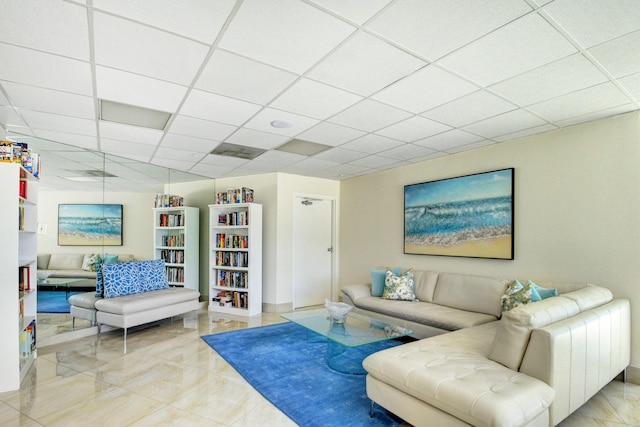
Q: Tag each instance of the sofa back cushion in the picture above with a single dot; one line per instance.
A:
(472, 293)
(424, 283)
(43, 261)
(65, 262)
(590, 296)
(512, 336)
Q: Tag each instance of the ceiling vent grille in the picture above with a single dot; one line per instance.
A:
(238, 151)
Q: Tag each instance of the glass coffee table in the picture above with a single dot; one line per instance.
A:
(343, 339)
(59, 283)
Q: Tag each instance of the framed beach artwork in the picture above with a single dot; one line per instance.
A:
(89, 225)
(467, 216)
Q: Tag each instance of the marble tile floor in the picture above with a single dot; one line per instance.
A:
(170, 377)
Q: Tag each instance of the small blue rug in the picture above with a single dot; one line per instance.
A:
(54, 301)
(292, 373)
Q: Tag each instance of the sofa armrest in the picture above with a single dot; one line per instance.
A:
(357, 291)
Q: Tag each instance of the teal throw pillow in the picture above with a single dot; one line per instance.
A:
(110, 259)
(377, 280)
(544, 293)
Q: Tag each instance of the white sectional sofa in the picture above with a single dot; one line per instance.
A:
(473, 365)
(71, 266)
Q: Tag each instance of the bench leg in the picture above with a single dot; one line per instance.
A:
(125, 340)
(73, 323)
(195, 313)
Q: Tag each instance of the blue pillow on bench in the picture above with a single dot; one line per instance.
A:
(133, 277)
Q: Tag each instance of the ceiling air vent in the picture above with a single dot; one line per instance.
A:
(94, 173)
(238, 151)
(306, 148)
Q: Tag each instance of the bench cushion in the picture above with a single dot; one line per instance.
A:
(129, 304)
(85, 300)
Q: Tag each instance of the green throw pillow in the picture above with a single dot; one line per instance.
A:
(399, 287)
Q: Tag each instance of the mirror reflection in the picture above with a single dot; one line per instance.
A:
(73, 175)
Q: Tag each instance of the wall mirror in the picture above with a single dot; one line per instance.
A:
(88, 176)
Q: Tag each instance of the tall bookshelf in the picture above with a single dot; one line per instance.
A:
(18, 284)
(176, 241)
(235, 258)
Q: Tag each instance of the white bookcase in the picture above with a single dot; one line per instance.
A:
(176, 241)
(18, 281)
(235, 258)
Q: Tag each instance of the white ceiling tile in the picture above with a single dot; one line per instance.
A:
(188, 143)
(595, 115)
(209, 106)
(433, 28)
(254, 138)
(509, 51)
(53, 26)
(341, 171)
(632, 84)
(339, 155)
(413, 129)
(26, 66)
(407, 152)
(56, 122)
(369, 116)
(512, 121)
(210, 170)
(592, 22)
(51, 101)
(133, 89)
(198, 19)
(473, 146)
(595, 98)
(310, 164)
(262, 121)
(172, 163)
(132, 150)
(614, 57)
(199, 128)
(372, 144)
(9, 117)
(557, 78)
(357, 11)
(448, 140)
(275, 158)
(425, 89)
(374, 162)
(314, 99)
(330, 134)
(288, 34)
(190, 157)
(216, 160)
(140, 49)
(471, 108)
(531, 131)
(84, 141)
(241, 78)
(111, 130)
(3, 99)
(365, 64)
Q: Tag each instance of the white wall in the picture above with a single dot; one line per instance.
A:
(137, 221)
(576, 211)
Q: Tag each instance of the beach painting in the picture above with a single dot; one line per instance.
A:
(466, 216)
(89, 225)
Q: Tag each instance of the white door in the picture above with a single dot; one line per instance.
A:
(313, 251)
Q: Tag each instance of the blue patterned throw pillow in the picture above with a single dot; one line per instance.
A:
(120, 279)
(152, 276)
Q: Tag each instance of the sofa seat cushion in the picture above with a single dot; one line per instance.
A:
(85, 300)
(146, 301)
(453, 376)
(435, 315)
(71, 274)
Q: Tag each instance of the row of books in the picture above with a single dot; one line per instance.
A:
(27, 341)
(172, 240)
(24, 279)
(175, 274)
(21, 220)
(167, 201)
(171, 220)
(234, 218)
(232, 241)
(235, 195)
(172, 256)
(232, 279)
(232, 259)
(19, 152)
(231, 299)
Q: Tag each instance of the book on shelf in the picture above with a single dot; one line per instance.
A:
(23, 189)
(171, 220)
(168, 201)
(172, 240)
(234, 195)
(231, 241)
(24, 279)
(234, 218)
(19, 152)
(231, 299)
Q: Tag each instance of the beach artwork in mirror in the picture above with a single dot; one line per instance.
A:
(467, 216)
(89, 225)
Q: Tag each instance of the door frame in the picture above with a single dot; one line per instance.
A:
(297, 198)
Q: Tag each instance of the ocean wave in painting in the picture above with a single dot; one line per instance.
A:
(90, 228)
(452, 223)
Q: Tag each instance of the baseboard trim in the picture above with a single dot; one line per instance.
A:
(277, 308)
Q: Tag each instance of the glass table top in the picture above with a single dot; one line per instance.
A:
(356, 330)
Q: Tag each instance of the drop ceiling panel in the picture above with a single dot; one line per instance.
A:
(129, 133)
(288, 34)
(254, 138)
(632, 84)
(595, 115)
(128, 149)
(51, 101)
(57, 27)
(369, 116)
(314, 99)
(339, 155)
(47, 121)
(216, 160)
(197, 19)
(426, 27)
(470, 108)
(525, 132)
(357, 11)
(222, 109)
(365, 64)
(275, 158)
(407, 152)
(374, 162)
(133, 89)
(199, 128)
(330, 134)
(557, 78)
(450, 139)
(372, 144)
(413, 129)
(592, 22)
(513, 49)
(242, 78)
(505, 123)
(9, 116)
(426, 89)
(140, 49)
(612, 55)
(262, 122)
(89, 142)
(182, 154)
(188, 143)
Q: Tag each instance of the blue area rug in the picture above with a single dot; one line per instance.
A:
(292, 373)
(54, 301)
